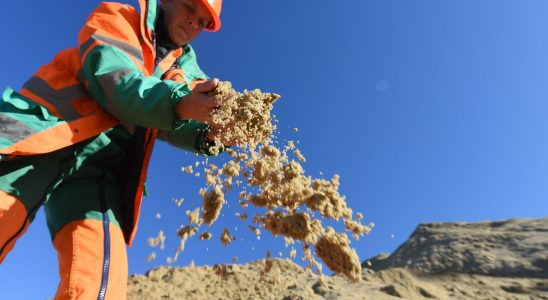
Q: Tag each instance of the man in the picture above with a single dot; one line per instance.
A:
(78, 136)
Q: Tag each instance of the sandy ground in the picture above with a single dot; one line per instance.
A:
(486, 260)
(288, 281)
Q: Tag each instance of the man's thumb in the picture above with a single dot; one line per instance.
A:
(206, 86)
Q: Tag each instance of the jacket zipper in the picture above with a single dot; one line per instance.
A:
(106, 240)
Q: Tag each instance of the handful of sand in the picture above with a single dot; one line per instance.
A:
(242, 117)
(268, 178)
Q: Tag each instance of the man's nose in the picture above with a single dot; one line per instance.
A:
(193, 24)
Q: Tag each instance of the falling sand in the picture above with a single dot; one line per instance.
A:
(267, 177)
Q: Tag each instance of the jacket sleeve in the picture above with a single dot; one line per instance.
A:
(189, 134)
(113, 67)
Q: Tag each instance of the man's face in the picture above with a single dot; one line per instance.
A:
(185, 19)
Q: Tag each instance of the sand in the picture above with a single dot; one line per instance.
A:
(205, 236)
(334, 249)
(283, 279)
(243, 117)
(512, 248)
(271, 177)
(226, 237)
(183, 233)
(295, 282)
(158, 240)
(212, 204)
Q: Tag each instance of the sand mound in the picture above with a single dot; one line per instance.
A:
(404, 284)
(512, 248)
(283, 279)
(224, 282)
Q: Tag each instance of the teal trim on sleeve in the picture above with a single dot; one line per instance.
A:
(178, 123)
(182, 90)
(5, 142)
(12, 101)
(186, 137)
(22, 117)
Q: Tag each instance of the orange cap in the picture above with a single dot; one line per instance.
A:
(214, 7)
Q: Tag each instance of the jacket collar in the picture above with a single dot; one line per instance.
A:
(149, 13)
(148, 18)
(147, 22)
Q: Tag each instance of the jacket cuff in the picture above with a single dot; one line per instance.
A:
(179, 90)
(207, 147)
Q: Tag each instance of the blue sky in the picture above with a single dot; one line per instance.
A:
(429, 111)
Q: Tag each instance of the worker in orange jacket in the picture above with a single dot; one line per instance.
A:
(77, 138)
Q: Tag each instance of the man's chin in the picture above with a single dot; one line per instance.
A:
(179, 41)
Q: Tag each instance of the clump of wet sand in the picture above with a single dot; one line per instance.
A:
(243, 117)
(334, 249)
(226, 237)
(212, 203)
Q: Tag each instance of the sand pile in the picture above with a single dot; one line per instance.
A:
(511, 248)
(286, 280)
(272, 178)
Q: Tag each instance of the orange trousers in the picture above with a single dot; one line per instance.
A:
(83, 209)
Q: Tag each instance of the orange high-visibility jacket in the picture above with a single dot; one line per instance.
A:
(111, 78)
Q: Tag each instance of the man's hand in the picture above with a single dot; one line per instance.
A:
(198, 105)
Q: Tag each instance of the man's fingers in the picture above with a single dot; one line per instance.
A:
(206, 86)
(214, 102)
